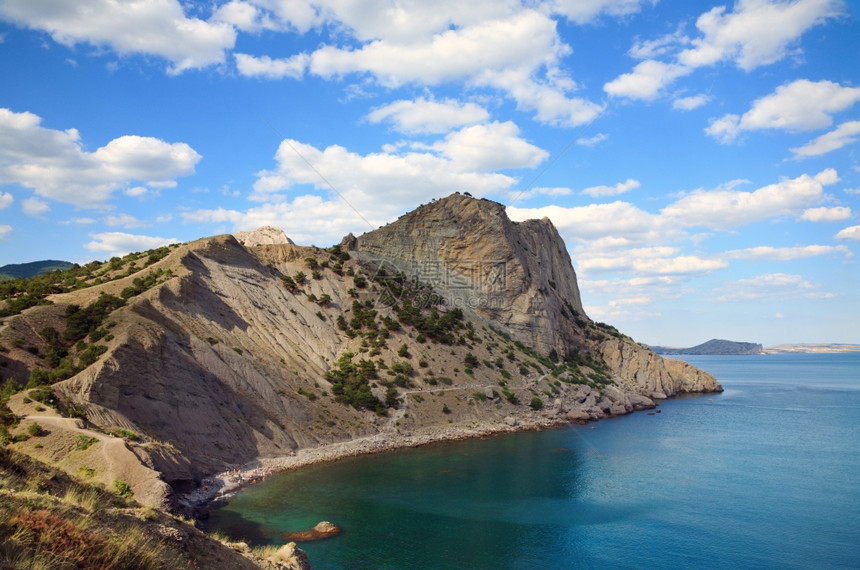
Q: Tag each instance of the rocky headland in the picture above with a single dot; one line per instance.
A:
(714, 346)
(451, 322)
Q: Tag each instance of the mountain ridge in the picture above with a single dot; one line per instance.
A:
(32, 268)
(233, 354)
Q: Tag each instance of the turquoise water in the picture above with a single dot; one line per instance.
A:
(764, 475)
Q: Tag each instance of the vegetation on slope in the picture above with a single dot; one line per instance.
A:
(66, 353)
(51, 520)
(16, 295)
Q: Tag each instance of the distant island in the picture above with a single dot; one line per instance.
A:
(25, 270)
(728, 347)
(713, 346)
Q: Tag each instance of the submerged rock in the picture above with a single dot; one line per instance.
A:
(323, 529)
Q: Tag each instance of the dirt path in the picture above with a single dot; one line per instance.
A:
(119, 461)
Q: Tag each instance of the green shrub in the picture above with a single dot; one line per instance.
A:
(121, 488)
(43, 395)
(309, 395)
(35, 430)
(471, 361)
(86, 471)
(510, 396)
(91, 354)
(391, 397)
(124, 433)
(536, 403)
(82, 322)
(84, 441)
(5, 436)
(351, 383)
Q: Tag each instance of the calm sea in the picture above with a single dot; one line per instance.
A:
(764, 475)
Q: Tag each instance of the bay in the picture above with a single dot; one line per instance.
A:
(763, 475)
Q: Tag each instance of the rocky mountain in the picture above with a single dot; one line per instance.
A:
(713, 346)
(452, 321)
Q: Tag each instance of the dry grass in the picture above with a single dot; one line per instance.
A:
(50, 520)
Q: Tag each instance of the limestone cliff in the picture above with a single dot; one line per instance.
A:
(452, 320)
(518, 275)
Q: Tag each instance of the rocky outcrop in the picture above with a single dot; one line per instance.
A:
(516, 274)
(652, 375)
(266, 235)
(321, 530)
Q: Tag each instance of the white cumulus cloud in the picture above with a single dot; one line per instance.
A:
(264, 66)
(367, 190)
(55, 165)
(851, 234)
(769, 253)
(752, 34)
(844, 134)
(755, 32)
(771, 287)
(619, 188)
(428, 116)
(584, 11)
(646, 81)
(493, 146)
(110, 244)
(592, 141)
(157, 27)
(690, 103)
(826, 214)
(801, 105)
(723, 209)
(34, 207)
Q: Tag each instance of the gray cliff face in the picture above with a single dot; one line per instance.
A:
(225, 362)
(519, 275)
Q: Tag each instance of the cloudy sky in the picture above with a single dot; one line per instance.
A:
(700, 158)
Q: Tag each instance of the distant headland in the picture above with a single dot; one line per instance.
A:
(713, 346)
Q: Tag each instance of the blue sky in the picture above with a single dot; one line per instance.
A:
(700, 159)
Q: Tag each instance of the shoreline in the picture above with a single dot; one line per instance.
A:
(220, 486)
